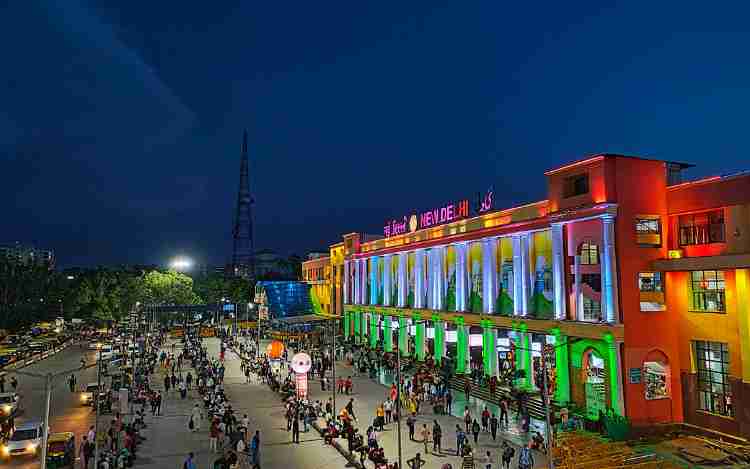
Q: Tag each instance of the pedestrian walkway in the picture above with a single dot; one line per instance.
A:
(369, 393)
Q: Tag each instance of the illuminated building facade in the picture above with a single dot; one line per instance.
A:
(630, 284)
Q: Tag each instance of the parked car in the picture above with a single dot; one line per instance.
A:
(24, 441)
(10, 403)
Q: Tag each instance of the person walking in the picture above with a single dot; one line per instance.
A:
(488, 464)
(467, 419)
(485, 419)
(525, 457)
(449, 401)
(426, 437)
(411, 420)
(475, 430)
(380, 417)
(350, 409)
(255, 450)
(197, 416)
(504, 412)
(507, 455)
(388, 408)
(84, 452)
(493, 426)
(189, 462)
(71, 383)
(416, 462)
(213, 436)
(295, 428)
(460, 440)
(437, 437)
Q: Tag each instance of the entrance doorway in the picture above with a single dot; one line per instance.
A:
(596, 400)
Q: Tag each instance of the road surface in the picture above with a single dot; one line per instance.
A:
(66, 412)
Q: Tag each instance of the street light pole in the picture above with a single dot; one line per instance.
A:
(398, 397)
(45, 428)
(48, 397)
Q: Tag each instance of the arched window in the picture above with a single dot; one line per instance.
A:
(589, 253)
(656, 376)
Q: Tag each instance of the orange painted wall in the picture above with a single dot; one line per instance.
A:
(645, 332)
(714, 194)
(598, 186)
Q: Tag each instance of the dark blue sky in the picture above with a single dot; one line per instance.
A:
(120, 122)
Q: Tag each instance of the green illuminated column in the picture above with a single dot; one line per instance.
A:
(346, 324)
(403, 337)
(485, 324)
(492, 339)
(562, 368)
(462, 346)
(523, 355)
(357, 334)
(439, 338)
(387, 335)
(527, 357)
(419, 340)
(373, 330)
(615, 373)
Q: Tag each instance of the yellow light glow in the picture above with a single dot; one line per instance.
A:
(675, 253)
(7, 409)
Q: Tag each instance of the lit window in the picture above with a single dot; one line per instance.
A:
(656, 376)
(707, 289)
(589, 253)
(592, 310)
(714, 389)
(702, 228)
(651, 291)
(648, 231)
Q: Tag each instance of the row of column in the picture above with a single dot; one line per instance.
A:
(429, 282)
(365, 331)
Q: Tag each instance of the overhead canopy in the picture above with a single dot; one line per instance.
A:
(304, 319)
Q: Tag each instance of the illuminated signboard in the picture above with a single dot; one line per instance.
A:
(438, 216)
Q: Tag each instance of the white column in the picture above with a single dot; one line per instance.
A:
(609, 270)
(521, 274)
(461, 280)
(440, 286)
(363, 281)
(373, 271)
(429, 286)
(387, 282)
(357, 280)
(402, 279)
(346, 282)
(488, 277)
(577, 287)
(558, 271)
(419, 278)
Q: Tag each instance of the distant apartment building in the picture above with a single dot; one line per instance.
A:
(27, 254)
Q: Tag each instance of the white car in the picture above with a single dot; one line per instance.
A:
(9, 403)
(87, 396)
(24, 441)
(105, 352)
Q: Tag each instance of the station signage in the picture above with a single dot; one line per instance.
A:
(447, 213)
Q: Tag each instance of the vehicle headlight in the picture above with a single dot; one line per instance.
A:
(6, 450)
(31, 448)
(7, 409)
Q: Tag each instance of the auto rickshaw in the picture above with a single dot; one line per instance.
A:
(61, 450)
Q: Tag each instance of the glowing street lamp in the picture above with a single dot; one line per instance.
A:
(181, 263)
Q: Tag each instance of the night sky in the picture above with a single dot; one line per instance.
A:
(121, 122)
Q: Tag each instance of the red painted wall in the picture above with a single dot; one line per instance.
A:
(646, 333)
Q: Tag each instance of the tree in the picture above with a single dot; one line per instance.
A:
(170, 287)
